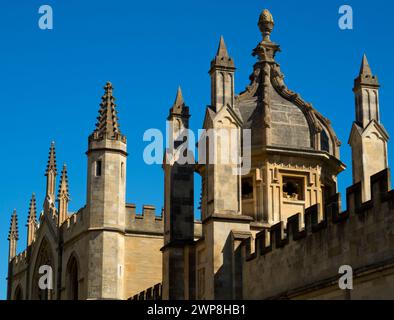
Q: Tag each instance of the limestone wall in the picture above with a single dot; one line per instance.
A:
(304, 262)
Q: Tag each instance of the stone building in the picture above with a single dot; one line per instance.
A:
(277, 232)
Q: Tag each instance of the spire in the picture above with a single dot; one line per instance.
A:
(63, 187)
(32, 217)
(31, 221)
(107, 125)
(179, 106)
(365, 76)
(222, 49)
(51, 166)
(222, 59)
(13, 236)
(50, 173)
(14, 233)
(63, 196)
(365, 68)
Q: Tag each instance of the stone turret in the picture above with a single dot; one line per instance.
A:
(50, 173)
(63, 197)
(32, 221)
(179, 206)
(368, 137)
(13, 236)
(222, 78)
(106, 201)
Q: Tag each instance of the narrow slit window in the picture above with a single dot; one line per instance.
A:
(98, 168)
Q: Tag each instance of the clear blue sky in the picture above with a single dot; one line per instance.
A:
(51, 81)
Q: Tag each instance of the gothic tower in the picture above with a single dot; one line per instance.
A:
(221, 183)
(222, 78)
(106, 188)
(368, 138)
(178, 275)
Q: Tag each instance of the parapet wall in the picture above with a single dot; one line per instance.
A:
(146, 223)
(153, 293)
(289, 261)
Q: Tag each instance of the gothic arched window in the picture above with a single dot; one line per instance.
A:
(43, 276)
(324, 141)
(72, 284)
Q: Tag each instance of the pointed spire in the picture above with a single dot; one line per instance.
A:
(222, 49)
(365, 68)
(14, 233)
(107, 125)
(51, 166)
(365, 76)
(32, 221)
(179, 106)
(63, 187)
(63, 197)
(32, 217)
(222, 58)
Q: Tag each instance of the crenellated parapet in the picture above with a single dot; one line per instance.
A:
(20, 263)
(286, 257)
(146, 223)
(153, 293)
(74, 225)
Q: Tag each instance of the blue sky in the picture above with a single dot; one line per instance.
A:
(51, 81)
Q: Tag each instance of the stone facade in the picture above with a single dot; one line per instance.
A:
(274, 232)
(105, 250)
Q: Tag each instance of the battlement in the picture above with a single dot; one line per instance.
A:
(73, 225)
(153, 293)
(20, 258)
(146, 223)
(20, 262)
(360, 236)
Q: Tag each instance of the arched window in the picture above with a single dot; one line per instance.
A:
(72, 284)
(324, 141)
(43, 283)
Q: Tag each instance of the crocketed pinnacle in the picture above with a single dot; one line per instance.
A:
(14, 233)
(51, 166)
(32, 217)
(63, 187)
(107, 125)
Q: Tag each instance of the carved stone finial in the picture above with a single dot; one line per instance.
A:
(266, 24)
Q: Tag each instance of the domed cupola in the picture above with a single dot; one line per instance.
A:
(295, 151)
